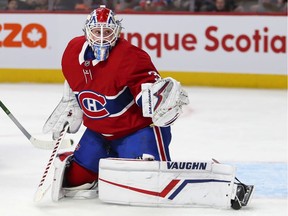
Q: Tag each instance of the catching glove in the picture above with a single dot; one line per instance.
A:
(163, 101)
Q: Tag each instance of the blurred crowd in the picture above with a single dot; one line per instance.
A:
(253, 6)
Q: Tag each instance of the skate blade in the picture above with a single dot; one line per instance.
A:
(248, 195)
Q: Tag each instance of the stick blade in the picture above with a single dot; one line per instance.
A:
(49, 145)
(38, 196)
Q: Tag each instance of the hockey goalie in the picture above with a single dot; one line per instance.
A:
(147, 180)
(114, 90)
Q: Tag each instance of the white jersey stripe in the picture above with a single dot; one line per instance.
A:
(160, 143)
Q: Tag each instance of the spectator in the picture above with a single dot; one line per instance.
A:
(12, 5)
(266, 6)
(220, 6)
(204, 5)
(179, 5)
(30, 4)
(84, 5)
(144, 5)
(107, 3)
(27, 4)
(64, 5)
(223, 6)
(41, 4)
(3, 4)
(151, 5)
(125, 5)
(197, 5)
(282, 6)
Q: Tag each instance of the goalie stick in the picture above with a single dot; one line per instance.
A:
(42, 187)
(42, 144)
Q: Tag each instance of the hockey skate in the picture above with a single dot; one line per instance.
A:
(243, 195)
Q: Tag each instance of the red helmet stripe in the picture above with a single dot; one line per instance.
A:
(102, 14)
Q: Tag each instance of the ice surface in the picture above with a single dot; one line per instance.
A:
(245, 127)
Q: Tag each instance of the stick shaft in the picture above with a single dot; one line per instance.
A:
(42, 144)
(43, 187)
(16, 122)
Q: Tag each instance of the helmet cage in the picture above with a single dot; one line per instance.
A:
(102, 34)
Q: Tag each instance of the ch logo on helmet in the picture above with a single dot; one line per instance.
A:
(93, 104)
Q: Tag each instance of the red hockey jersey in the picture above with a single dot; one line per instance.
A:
(108, 91)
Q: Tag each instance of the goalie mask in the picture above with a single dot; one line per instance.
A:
(102, 31)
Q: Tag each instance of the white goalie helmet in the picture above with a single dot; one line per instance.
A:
(102, 30)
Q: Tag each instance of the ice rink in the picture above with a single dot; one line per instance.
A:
(243, 127)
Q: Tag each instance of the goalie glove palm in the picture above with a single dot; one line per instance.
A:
(67, 111)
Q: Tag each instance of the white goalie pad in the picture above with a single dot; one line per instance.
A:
(163, 101)
(161, 183)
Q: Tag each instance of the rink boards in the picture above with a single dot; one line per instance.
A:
(197, 50)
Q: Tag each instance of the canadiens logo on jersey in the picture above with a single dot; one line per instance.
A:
(93, 104)
(97, 106)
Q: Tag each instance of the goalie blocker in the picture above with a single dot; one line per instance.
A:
(162, 183)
